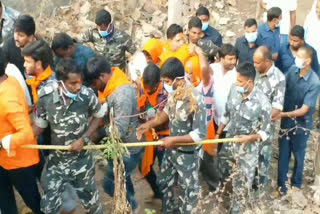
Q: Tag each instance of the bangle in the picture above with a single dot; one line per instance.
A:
(218, 134)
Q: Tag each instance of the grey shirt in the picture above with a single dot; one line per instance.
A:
(123, 101)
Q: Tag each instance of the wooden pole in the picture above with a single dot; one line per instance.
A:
(128, 145)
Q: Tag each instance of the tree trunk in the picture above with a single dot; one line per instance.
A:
(174, 12)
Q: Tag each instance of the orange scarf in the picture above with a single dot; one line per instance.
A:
(147, 159)
(37, 80)
(182, 54)
(196, 71)
(152, 98)
(154, 47)
(148, 156)
(211, 149)
(117, 79)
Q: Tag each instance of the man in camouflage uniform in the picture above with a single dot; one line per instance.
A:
(67, 105)
(272, 83)
(186, 115)
(248, 116)
(109, 41)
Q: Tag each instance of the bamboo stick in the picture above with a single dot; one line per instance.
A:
(136, 144)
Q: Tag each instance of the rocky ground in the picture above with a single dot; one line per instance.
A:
(148, 19)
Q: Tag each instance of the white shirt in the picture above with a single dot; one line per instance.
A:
(312, 30)
(12, 70)
(286, 6)
(222, 85)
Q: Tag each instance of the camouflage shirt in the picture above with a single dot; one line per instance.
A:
(9, 16)
(68, 122)
(273, 85)
(114, 47)
(187, 116)
(248, 116)
(208, 47)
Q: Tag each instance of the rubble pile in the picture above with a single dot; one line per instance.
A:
(141, 19)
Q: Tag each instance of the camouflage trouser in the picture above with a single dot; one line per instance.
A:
(185, 167)
(76, 169)
(265, 154)
(241, 161)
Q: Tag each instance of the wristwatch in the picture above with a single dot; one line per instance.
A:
(86, 138)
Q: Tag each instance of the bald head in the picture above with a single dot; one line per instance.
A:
(262, 59)
(264, 53)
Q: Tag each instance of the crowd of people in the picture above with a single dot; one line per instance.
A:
(262, 91)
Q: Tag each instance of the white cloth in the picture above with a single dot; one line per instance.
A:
(222, 85)
(312, 29)
(286, 6)
(12, 70)
(6, 141)
(137, 66)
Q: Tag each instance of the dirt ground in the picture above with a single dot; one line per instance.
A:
(247, 9)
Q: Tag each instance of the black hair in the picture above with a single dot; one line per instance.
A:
(202, 11)
(246, 69)
(65, 67)
(273, 13)
(25, 24)
(151, 75)
(297, 31)
(173, 30)
(103, 17)
(2, 63)
(250, 22)
(172, 68)
(95, 67)
(227, 49)
(39, 50)
(194, 22)
(61, 40)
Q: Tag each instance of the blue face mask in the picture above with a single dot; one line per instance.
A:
(70, 95)
(242, 90)
(104, 33)
(67, 93)
(205, 26)
(251, 37)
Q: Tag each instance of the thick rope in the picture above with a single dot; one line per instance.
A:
(136, 144)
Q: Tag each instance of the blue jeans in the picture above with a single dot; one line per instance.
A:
(284, 39)
(296, 144)
(130, 163)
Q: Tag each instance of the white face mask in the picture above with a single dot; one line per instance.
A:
(299, 63)
(169, 88)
